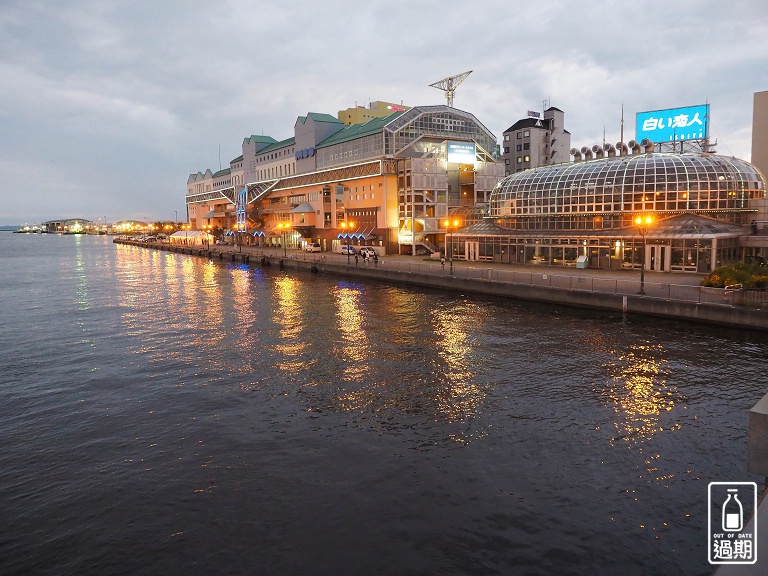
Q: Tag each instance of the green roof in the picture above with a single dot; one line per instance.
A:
(260, 139)
(277, 145)
(355, 131)
(238, 159)
(319, 118)
(221, 172)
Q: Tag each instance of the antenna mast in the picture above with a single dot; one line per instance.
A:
(450, 84)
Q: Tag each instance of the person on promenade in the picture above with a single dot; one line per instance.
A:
(375, 259)
(442, 262)
(355, 258)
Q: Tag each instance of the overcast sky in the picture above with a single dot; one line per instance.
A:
(107, 106)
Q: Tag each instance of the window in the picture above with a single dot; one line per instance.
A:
(506, 161)
(519, 147)
(527, 158)
(519, 135)
(506, 149)
(527, 133)
(527, 146)
(506, 137)
(519, 159)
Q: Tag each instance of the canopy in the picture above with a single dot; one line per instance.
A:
(189, 234)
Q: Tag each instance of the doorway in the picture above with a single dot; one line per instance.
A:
(471, 250)
(657, 258)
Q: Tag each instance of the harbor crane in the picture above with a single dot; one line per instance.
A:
(449, 85)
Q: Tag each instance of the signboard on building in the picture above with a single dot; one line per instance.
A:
(532, 114)
(461, 152)
(688, 123)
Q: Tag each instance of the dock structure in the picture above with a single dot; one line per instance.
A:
(664, 296)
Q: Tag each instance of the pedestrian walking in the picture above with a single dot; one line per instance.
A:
(375, 259)
(355, 258)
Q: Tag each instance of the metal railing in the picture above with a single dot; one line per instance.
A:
(590, 283)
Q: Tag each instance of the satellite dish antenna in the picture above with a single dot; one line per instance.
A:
(449, 85)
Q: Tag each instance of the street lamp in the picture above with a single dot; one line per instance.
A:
(448, 226)
(283, 227)
(643, 225)
(348, 226)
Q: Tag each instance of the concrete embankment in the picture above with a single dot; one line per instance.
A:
(719, 314)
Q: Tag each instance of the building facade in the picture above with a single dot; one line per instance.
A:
(388, 182)
(760, 131)
(377, 109)
(535, 141)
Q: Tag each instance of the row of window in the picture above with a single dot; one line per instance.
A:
(274, 155)
(519, 147)
(520, 135)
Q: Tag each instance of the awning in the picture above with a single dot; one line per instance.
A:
(303, 208)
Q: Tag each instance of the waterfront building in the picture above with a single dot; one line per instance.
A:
(535, 141)
(72, 226)
(760, 131)
(389, 182)
(703, 211)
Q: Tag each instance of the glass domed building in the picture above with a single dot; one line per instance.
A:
(700, 207)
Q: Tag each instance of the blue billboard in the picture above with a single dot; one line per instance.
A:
(689, 123)
(461, 152)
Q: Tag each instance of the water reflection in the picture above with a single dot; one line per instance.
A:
(353, 348)
(242, 304)
(639, 392)
(289, 317)
(458, 397)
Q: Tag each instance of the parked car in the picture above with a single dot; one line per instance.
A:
(350, 250)
(367, 251)
(313, 247)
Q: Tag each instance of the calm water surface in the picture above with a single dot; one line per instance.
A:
(163, 414)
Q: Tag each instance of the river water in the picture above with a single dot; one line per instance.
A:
(163, 414)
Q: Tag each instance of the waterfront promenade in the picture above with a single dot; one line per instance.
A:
(666, 295)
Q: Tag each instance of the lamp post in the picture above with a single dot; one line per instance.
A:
(643, 225)
(283, 227)
(348, 226)
(186, 234)
(449, 238)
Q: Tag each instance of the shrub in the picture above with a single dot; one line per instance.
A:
(748, 275)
